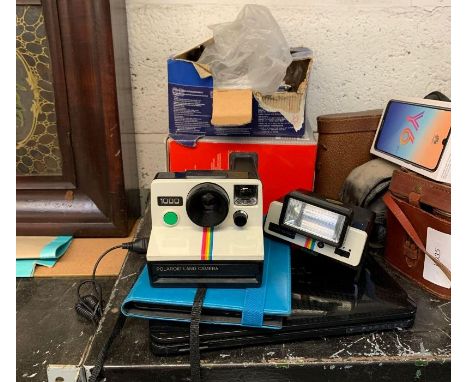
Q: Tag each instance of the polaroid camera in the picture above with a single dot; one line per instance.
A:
(321, 226)
(207, 227)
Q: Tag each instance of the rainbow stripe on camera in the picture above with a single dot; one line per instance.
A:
(310, 243)
(207, 243)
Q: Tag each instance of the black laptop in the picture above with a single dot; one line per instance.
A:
(326, 300)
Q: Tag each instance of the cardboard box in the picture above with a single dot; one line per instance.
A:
(419, 138)
(197, 110)
(284, 164)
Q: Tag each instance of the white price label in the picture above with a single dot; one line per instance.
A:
(437, 244)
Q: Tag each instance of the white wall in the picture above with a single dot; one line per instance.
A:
(365, 52)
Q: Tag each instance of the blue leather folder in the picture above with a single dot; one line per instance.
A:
(254, 307)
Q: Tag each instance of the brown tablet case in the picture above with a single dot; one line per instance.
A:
(344, 143)
(415, 203)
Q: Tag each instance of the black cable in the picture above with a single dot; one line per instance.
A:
(91, 306)
(195, 369)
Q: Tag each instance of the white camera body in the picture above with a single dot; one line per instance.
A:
(207, 229)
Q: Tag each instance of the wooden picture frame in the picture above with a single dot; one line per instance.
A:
(97, 193)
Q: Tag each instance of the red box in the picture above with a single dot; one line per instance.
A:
(283, 164)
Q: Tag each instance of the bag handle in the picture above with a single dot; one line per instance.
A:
(408, 227)
(438, 96)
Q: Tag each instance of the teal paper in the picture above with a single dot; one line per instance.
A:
(48, 256)
(25, 268)
(56, 248)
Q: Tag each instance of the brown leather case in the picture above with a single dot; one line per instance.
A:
(424, 203)
(344, 143)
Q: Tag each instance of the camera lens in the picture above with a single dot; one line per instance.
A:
(207, 205)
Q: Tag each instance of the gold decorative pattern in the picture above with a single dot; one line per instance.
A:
(37, 145)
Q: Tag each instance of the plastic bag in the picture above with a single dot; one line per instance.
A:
(250, 52)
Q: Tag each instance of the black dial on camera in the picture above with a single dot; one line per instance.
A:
(240, 218)
(207, 205)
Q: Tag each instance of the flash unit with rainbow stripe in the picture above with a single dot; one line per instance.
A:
(206, 229)
(321, 226)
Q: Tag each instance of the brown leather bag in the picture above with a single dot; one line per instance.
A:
(344, 143)
(415, 203)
